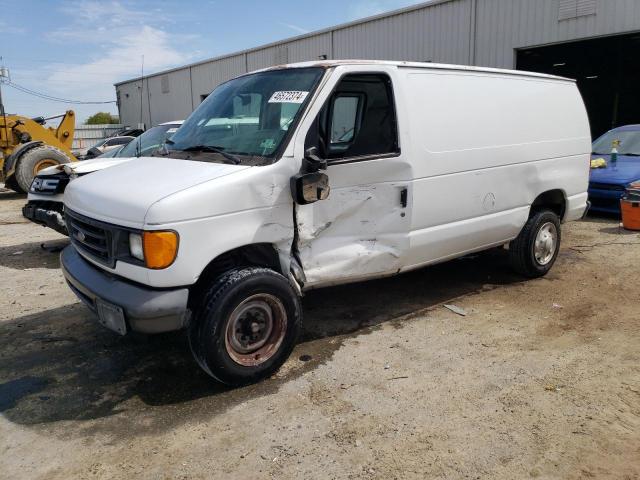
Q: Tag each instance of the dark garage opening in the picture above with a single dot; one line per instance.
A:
(607, 71)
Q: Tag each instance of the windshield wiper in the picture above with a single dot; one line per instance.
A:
(210, 148)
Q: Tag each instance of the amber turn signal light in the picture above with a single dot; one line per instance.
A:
(160, 248)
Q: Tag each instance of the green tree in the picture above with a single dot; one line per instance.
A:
(101, 118)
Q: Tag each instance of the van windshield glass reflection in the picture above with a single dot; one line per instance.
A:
(247, 117)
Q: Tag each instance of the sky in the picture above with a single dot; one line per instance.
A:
(77, 49)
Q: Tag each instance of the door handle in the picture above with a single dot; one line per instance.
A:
(403, 197)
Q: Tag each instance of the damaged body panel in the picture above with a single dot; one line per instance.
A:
(226, 207)
(361, 230)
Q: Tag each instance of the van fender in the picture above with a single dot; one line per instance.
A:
(12, 160)
(275, 256)
(554, 200)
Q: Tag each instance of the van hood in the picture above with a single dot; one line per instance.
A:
(623, 172)
(87, 166)
(82, 167)
(122, 195)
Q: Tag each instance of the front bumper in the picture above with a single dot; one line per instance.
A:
(605, 200)
(47, 214)
(146, 310)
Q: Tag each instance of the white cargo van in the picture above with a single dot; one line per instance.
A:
(346, 171)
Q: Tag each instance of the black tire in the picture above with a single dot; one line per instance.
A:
(211, 335)
(13, 185)
(522, 252)
(34, 160)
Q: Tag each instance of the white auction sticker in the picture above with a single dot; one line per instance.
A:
(290, 96)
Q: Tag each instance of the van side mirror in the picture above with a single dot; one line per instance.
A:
(312, 162)
(310, 187)
(94, 152)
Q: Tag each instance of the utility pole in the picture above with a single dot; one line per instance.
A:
(141, 90)
(4, 78)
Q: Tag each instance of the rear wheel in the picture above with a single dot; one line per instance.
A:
(535, 249)
(246, 327)
(36, 159)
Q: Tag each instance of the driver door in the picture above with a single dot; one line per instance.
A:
(361, 229)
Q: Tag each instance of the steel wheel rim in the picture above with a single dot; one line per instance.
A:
(256, 329)
(42, 164)
(544, 247)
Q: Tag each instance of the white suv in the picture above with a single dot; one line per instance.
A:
(103, 146)
(45, 197)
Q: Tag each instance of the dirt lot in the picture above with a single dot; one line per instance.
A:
(540, 379)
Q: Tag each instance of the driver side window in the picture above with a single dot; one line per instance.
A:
(359, 119)
(346, 117)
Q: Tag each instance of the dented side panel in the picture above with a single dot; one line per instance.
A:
(361, 230)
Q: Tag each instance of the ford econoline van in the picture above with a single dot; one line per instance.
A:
(323, 173)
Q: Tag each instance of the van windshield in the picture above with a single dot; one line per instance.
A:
(247, 117)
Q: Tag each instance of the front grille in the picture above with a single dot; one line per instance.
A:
(49, 184)
(90, 236)
(606, 186)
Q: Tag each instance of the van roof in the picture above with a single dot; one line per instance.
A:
(402, 64)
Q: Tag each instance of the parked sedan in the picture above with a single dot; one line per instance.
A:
(102, 146)
(608, 184)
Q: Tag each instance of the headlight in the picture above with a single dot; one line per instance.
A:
(135, 246)
(156, 249)
(160, 248)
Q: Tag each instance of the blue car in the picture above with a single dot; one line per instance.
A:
(607, 185)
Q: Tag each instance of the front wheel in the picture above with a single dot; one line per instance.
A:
(246, 327)
(535, 249)
(34, 160)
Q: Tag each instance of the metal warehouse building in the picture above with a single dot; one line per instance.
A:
(595, 41)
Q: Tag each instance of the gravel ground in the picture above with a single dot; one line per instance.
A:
(541, 379)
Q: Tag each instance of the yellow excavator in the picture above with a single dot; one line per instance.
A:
(27, 146)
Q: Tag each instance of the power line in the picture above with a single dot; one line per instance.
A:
(44, 77)
(51, 98)
(58, 67)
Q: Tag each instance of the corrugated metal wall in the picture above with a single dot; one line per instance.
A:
(206, 76)
(174, 104)
(437, 34)
(89, 135)
(129, 96)
(502, 26)
(476, 32)
(310, 48)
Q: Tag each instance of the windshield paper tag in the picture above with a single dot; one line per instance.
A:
(290, 96)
